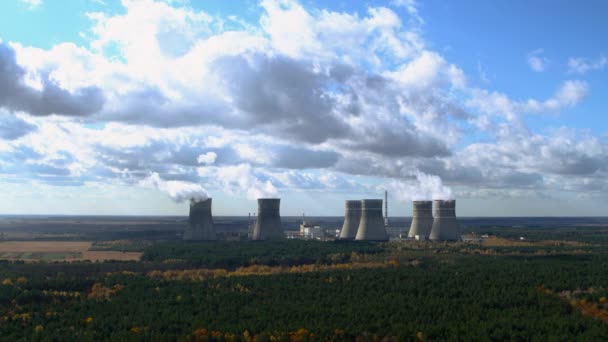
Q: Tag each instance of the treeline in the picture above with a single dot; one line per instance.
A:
(457, 298)
(222, 254)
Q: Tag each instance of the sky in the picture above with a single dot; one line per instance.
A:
(133, 107)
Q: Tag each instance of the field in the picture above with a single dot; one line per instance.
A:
(59, 251)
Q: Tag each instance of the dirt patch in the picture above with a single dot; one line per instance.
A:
(59, 251)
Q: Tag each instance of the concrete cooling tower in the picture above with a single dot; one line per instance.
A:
(352, 216)
(268, 225)
(371, 226)
(445, 227)
(200, 222)
(422, 219)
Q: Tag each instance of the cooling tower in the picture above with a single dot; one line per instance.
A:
(200, 222)
(268, 225)
(445, 226)
(422, 219)
(352, 216)
(371, 226)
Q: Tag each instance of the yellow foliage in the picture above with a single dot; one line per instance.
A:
(22, 280)
(7, 281)
(88, 320)
(136, 330)
(602, 300)
(98, 291)
(39, 328)
(420, 336)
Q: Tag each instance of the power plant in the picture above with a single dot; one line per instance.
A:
(445, 227)
(268, 225)
(371, 226)
(200, 222)
(422, 220)
(352, 216)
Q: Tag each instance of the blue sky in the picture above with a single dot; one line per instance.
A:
(132, 107)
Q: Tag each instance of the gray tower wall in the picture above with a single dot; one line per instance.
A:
(268, 225)
(352, 216)
(445, 226)
(200, 222)
(371, 226)
(422, 219)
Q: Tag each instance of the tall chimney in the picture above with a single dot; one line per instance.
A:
(422, 219)
(445, 226)
(352, 216)
(268, 225)
(371, 225)
(200, 222)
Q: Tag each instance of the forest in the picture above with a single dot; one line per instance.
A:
(309, 291)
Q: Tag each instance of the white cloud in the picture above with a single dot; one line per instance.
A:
(537, 62)
(583, 65)
(207, 158)
(31, 4)
(426, 187)
(305, 100)
(242, 180)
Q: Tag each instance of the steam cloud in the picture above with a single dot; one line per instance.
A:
(428, 187)
(179, 191)
(242, 179)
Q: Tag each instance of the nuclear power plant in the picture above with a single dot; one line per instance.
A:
(445, 227)
(268, 225)
(352, 216)
(371, 226)
(363, 221)
(422, 220)
(200, 222)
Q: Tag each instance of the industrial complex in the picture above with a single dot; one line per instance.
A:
(363, 221)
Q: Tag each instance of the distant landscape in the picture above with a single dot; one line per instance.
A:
(133, 278)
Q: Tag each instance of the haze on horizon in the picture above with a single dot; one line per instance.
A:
(132, 107)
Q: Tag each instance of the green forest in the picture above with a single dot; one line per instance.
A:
(309, 291)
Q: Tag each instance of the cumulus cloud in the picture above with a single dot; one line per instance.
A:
(170, 97)
(48, 97)
(12, 127)
(583, 65)
(207, 158)
(536, 61)
(570, 93)
(243, 180)
(426, 187)
(179, 191)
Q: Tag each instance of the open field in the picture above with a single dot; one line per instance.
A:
(59, 251)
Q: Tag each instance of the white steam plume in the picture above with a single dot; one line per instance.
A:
(428, 187)
(241, 179)
(179, 191)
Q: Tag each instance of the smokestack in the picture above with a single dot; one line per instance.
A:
(422, 219)
(268, 225)
(352, 216)
(200, 222)
(445, 226)
(371, 225)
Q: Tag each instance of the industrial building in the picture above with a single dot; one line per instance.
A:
(268, 224)
(200, 222)
(445, 226)
(352, 216)
(422, 220)
(371, 225)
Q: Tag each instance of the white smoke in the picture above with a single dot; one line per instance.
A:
(179, 191)
(241, 179)
(427, 187)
